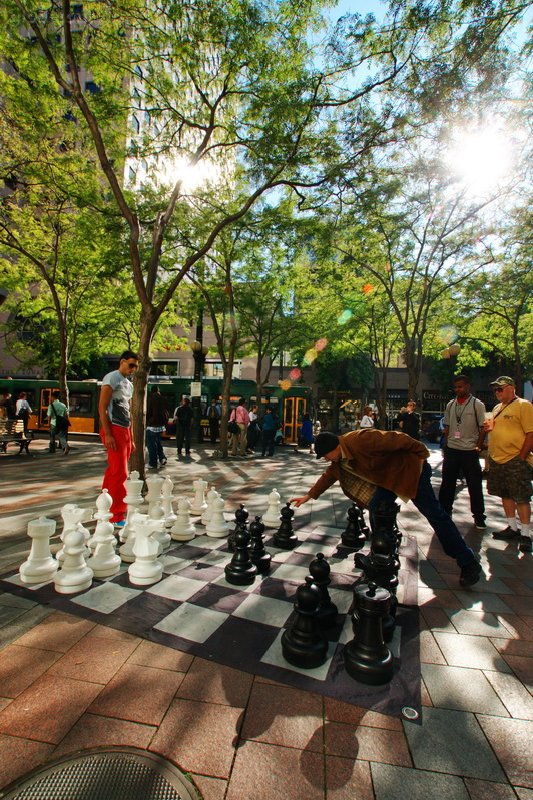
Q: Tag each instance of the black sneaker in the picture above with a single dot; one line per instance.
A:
(480, 524)
(526, 545)
(506, 535)
(470, 573)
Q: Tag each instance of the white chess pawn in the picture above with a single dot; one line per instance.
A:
(156, 523)
(103, 513)
(74, 575)
(183, 529)
(273, 515)
(153, 495)
(198, 504)
(105, 562)
(166, 496)
(217, 525)
(72, 515)
(133, 500)
(206, 516)
(146, 569)
(40, 566)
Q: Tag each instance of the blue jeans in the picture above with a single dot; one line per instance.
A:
(448, 535)
(155, 448)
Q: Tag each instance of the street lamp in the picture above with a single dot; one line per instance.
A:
(199, 352)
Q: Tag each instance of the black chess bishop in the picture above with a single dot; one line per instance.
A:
(241, 523)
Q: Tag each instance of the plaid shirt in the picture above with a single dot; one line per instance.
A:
(355, 487)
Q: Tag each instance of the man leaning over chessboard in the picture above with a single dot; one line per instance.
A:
(372, 466)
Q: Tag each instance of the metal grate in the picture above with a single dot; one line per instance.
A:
(105, 774)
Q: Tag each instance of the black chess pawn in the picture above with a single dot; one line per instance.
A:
(302, 644)
(320, 571)
(258, 554)
(284, 537)
(367, 658)
(241, 519)
(353, 535)
(241, 571)
(384, 522)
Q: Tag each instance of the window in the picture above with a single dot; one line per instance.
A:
(92, 87)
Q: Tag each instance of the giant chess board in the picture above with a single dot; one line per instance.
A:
(195, 610)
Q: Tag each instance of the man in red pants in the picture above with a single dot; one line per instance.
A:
(115, 431)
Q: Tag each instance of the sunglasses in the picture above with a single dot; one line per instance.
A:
(499, 389)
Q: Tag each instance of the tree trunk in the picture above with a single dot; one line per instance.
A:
(138, 404)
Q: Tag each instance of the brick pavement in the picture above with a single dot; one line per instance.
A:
(67, 684)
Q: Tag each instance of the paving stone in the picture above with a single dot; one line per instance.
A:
(215, 683)
(519, 604)
(482, 601)
(437, 619)
(486, 790)
(58, 632)
(438, 598)
(151, 654)
(21, 666)
(524, 794)
(347, 779)
(415, 784)
(518, 627)
(523, 668)
(18, 756)
(513, 694)
(9, 614)
(93, 659)
(284, 716)
(210, 788)
(15, 601)
(470, 651)
(462, 689)
(338, 711)
(428, 576)
(511, 740)
(476, 623)
(265, 771)
(92, 730)
(367, 744)
(430, 652)
(452, 742)
(513, 647)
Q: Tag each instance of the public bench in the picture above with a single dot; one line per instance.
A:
(12, 430)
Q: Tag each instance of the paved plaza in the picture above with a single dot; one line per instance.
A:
(68, 684)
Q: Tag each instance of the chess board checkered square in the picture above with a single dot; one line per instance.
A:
(191, 622)
(259, 608)
(172, 563)
(107, 597)
(207, 542)
(218, 598)
(222, 581)
(176, 587)
(274, 656)
(290, 572)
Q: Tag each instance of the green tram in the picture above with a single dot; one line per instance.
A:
(289, 404)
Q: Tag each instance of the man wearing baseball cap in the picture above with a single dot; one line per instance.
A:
(510, 445)
(373, 465)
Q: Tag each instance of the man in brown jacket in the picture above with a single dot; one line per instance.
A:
(373, 465)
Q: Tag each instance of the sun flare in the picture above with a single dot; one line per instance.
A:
(481, 157)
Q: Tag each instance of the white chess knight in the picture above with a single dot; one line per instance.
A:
(105, 562)
(206, 516)
(72, 516)
(199, 504)
(166, 496)
(40, 566)
(272, 517)
(133, 500)
(217, 526)
(183, 529)
(146, 569)
(74, 575)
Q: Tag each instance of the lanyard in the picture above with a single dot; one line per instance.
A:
(458, 417)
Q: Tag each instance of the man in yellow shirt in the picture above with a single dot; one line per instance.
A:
(510, 445)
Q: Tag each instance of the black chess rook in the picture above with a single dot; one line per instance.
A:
(367, 658)
(302, 644)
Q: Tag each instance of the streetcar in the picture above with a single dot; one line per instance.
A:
(289, 404)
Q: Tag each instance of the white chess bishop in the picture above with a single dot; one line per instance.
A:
(217, 526)
(104, 562)
(74, 575)
(73, 516)
(272, 517)
(153, 495)
(40, 566)
(183, 529)
(199, 504)
(133, 500)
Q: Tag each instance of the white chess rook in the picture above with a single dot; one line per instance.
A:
(183, 529)
(40, 566)
(74, 576)
(146, 569)
(199, 504)
(217, 526)
(206, 516)
(273, 515)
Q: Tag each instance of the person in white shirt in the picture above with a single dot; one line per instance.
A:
(367, 420)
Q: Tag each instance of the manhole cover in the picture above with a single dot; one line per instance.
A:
(105, 774)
